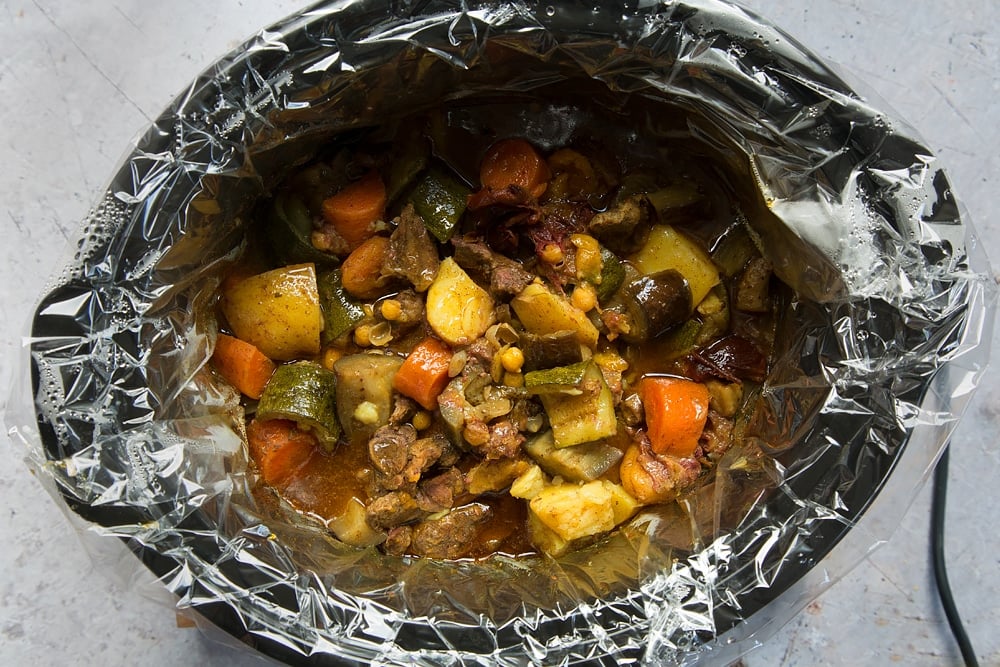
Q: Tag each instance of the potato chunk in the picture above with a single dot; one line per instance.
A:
(544, 312)
(278, 311)
(458, 310)
(573, 511)
(666, 248)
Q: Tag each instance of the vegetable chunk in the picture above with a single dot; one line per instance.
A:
(458, 310)
(676, 411)
(242, 364)
(573, 511)
(424, 374)
(666, 248)
(277, 311)
(544, 312)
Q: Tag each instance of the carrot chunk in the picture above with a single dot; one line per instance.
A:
(514, 162)
(676, 411)
(279, 448)
(424, 373)
(242, 364)
(354, 210)
(361, 271)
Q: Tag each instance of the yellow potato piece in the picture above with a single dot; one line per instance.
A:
(573, 511)
(544, 312)
(278, 311)
(666, 248)
(458, 310)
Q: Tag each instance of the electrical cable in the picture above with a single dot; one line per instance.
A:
(938, 561)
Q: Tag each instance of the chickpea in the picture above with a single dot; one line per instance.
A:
(362, 335)
(422, 420)
(584, 297)
(330, 357)
(391, 310)
(512, 359)
(551, 253)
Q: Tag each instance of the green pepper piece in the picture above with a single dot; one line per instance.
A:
(305, 393)
(289, 229)
(440, 201)
(341, 313)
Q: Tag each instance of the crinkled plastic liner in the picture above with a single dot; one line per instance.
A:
(877, 358)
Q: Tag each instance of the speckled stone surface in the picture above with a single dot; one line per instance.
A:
(80, 80)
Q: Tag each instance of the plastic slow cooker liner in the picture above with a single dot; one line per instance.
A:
(877, 357)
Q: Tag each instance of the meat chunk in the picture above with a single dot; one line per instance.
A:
(403, 312)
(400, 458)
(505, 277)
(439, 493)
(412, 254)
(393, 509)
(621, 226)
(752, 288)
(715, 439)
(452, 535)
(504, 441)
(389, 446)
(398, 540)
(403, 409)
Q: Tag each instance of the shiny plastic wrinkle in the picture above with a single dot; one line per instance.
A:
(882, 348)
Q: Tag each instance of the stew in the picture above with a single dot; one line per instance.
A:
(517, 365)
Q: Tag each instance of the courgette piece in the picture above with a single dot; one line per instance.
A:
(289, 231)
(682, 340)
(584, 417)
(304, 392)
(549, 350)
(612, 275)
(579, 463)
(407, 164)
(734, 250)
(440, 201)
(364, 378)
(341, 312)
(677, 202)
(559, 380)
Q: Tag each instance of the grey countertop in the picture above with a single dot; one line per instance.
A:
(81, 80)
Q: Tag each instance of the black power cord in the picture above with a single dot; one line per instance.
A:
(938, 561)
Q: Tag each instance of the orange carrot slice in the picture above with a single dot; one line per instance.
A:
(242, 364)
(514, 162)
(676, 411)
(279, 448)
(424, 374)
(354, 210)
(361, 271)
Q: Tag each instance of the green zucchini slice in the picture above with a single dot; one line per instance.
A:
(304, 392)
